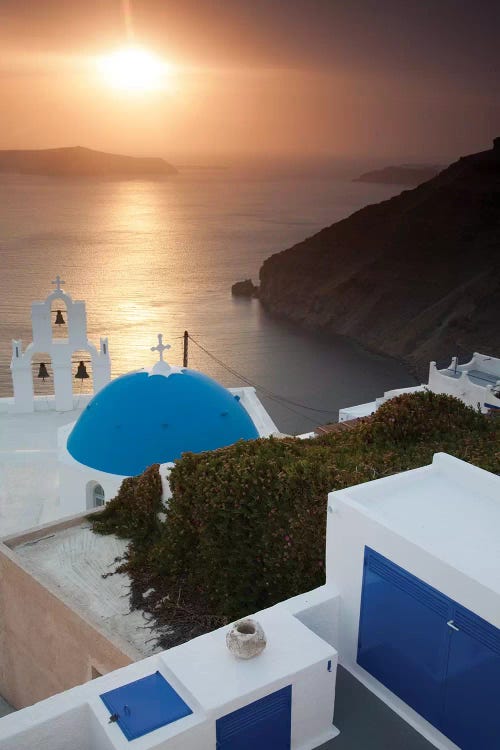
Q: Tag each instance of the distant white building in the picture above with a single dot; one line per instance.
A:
(476, 383)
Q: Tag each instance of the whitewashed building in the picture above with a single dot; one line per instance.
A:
(476, 383)
(415, 558)
(411, 607)
(68, 451)
(149, 416)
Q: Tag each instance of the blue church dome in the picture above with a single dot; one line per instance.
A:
(140, 419)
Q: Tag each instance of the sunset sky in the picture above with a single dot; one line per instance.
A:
(381, 78)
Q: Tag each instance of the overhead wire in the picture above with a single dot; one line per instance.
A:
(282, 400)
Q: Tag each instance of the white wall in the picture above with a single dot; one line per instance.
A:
(75, 479)
(211, 681)
(349, 530)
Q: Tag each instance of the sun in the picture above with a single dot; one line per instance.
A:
(134, 70)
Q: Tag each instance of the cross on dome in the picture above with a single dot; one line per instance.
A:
(57, 282)
(161, 347)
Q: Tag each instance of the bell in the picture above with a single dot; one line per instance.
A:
(59, 319)
(81, 373)
(43, 372)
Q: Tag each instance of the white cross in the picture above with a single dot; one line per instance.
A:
(57, 282)
(161, 346)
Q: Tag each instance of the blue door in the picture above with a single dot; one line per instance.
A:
(403, 638)
(262, 725)
(472, 704)
(437, 656)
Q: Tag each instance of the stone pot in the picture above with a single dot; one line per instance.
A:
(246, 639)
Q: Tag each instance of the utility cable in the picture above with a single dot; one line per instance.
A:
(282, 400)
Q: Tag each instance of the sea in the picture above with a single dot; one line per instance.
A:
(151, 256)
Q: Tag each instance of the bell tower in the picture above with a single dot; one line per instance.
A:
(60, 351)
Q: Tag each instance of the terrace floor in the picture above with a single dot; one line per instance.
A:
(76, 564)
(366, 723)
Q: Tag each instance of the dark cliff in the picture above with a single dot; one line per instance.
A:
(81, 162)
(402, 175)
(416, 276)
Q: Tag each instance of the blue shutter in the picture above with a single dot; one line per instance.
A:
(264, 724)
(472, 703)
(436, 655)
(403, 638)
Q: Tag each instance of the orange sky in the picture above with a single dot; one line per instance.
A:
(264, 77)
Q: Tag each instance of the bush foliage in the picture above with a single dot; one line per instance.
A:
(133, 513)
(245, 527)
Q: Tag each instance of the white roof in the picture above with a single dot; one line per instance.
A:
(29, 470)
(71, 562)
(449, 508)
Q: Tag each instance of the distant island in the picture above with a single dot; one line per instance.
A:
(77, 161)
(416, 277)
(405, 174)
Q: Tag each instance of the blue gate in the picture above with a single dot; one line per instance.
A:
(437, 656)
(262, 725)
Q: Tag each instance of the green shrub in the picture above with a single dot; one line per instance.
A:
(246, 523)
(133, 513)
(245, 527)
(424, 416)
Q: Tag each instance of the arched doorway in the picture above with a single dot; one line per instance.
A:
(96, 497)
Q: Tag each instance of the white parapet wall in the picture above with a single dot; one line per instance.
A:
(365, 410)
(259, 415)
(209, 679)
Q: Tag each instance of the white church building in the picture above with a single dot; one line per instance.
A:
(152, 415)
(148, 416)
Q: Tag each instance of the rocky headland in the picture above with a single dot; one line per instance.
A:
(77, 161)
(244, 289)
(416, 277)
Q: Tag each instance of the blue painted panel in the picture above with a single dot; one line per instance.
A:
(472, 705)
(262, 725)
(403, 637)
(145, 705)
(439, 657)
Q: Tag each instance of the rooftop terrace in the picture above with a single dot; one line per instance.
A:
(29, 474)
(72, 562)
